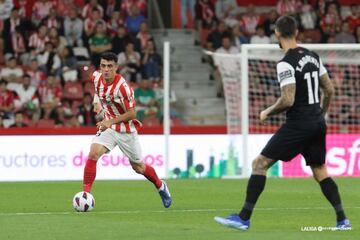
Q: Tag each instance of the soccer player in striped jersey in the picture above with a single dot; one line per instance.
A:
(115, 97)
(301, 75)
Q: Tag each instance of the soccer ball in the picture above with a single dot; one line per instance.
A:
(83, 202)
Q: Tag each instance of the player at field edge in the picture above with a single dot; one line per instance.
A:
(114, 101)
(300, 73)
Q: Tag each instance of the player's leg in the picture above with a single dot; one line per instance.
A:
(314, 155)
(96, 151)
(330, 190)
(130, 146)
(102, 143)
(283, 145)
(148, 171)
(255, 187)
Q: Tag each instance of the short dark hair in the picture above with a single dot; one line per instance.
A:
(87, 94)
(109, 56)
(286, 26)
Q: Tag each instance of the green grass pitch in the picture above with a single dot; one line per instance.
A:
(133, 210)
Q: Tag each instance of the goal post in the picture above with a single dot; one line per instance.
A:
(253, 73)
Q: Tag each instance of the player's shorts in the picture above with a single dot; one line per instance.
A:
(307, 139)
(127, 142)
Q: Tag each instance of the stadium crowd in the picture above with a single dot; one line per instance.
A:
(224, 26)
(48, 52)
(47, 56)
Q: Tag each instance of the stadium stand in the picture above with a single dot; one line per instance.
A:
(27, 25)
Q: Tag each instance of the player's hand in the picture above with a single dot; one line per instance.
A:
(104, 124)
(264, 116)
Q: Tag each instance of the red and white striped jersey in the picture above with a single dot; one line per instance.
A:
(116, 98)
(37, 42)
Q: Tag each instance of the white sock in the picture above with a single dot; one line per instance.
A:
(162, 188)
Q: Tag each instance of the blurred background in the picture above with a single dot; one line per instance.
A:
(49, 49)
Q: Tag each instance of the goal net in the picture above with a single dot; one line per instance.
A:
(250, 85)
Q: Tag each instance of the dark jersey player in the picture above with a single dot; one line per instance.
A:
(301, 75)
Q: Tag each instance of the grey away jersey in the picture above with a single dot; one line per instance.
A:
(304, 68)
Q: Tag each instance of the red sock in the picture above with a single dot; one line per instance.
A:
(151, 175)
(89, 174)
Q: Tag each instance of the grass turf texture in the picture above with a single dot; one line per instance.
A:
(133, 210)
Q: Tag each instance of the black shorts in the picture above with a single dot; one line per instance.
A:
(307, 139)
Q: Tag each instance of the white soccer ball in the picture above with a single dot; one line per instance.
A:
(83, 202)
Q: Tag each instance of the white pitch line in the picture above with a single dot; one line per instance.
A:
(169, 211)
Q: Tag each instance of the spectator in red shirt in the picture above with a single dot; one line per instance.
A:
(286, 7)
(7, 101)
(126, 6)
(50, 96)
(52, 20)
(331, 22)
(90, 22)
(115, 22)
(88, 9)
(205, 13)
(10, 25)
(18, 45)
(41, 10)
(250, 20)
(64, 6)
(37, 77)
(354, 18)
(38, 39)
(143, 35)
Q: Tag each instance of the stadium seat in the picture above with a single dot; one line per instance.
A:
(353, 128)
(151, 122)
(86, 72)
(73, 91)
(74, 106)
(176, 122)
(264, 129)
(313, 34)
(333, 128)
(82, 55)
(45, 123)
(89, 87)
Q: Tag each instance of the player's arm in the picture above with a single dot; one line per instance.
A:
(283, 103)
(326, 86)
(98, 109)
(328, 90)
(286, 78)
(129, 115)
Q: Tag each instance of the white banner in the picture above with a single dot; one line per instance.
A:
(34, 158)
